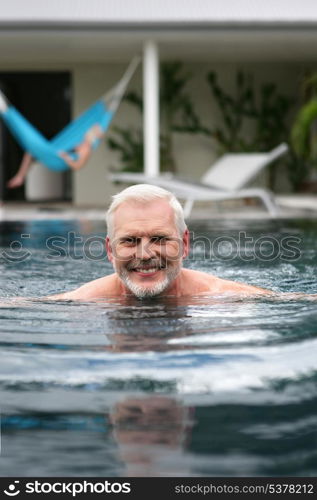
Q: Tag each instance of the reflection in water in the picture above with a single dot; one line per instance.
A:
(164, 324)
(150, 432)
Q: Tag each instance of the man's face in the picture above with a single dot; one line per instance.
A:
(146, 249)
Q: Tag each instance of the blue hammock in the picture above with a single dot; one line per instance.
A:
(47, 151)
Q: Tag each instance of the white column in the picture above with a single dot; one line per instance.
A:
(151, 120)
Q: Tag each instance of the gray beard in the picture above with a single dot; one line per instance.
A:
(157, 289)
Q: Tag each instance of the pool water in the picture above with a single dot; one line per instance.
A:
(197, 386)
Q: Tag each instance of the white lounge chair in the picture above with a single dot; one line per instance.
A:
(225, 180)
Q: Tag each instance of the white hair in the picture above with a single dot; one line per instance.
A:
(143, 193)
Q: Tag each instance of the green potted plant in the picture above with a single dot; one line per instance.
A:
(177, 115)
(304, 135)
(251, 120)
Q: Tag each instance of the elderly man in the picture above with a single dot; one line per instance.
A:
(146, 243)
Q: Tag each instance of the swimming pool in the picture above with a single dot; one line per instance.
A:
(166, 387)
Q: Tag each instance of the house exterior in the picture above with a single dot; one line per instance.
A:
(94, 41)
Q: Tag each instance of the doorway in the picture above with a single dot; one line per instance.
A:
(44, 98)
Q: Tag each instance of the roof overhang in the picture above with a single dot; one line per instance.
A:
(83, 44)
(96, 31)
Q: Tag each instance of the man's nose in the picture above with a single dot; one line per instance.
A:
(145, 250)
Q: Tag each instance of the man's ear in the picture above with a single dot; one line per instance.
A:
(186, 243)
(109, 249)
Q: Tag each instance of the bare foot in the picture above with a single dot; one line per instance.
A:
(15, 182)
(97, 130)
(69, 160)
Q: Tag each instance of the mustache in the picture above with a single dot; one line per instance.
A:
(158, 263)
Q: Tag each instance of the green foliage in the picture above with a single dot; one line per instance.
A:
(250, 122)
(129, 143)
(177, 111)
(298, 170)
(130, 147)
(177, 115)
(253, 119)
(302, 137)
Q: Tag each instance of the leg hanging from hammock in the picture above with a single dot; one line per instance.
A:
(83, 152)
(19, 178)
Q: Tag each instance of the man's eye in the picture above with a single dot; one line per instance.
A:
(159, 239)
(129, 241)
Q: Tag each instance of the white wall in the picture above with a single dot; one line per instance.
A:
(91, 185)
(193, 153)
(196, 153)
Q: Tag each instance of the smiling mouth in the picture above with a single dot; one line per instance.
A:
(147, 270)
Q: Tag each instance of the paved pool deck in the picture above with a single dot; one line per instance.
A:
(290, 206)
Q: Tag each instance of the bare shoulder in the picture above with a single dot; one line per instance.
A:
(100, 287)
(196, 282)
(238, 288)
(204, 282)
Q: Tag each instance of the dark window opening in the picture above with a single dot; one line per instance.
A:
(44, 98)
